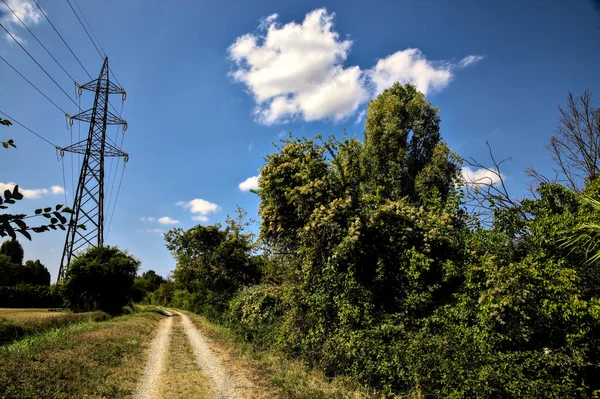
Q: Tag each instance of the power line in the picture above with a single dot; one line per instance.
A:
(94, 34)
(38, 40)
(89, 26)
(112, 161)
(38, 64)
(63, 40)
(31, 131)
(118, 191)
(64, 180)
(34, 86)
(86, 31)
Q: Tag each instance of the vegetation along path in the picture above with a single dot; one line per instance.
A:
(180, 363)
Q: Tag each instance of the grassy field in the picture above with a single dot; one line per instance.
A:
(19, 323)
(271, 374)
(21, 315)
(84, 360)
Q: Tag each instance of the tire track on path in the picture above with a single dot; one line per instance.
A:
(223, 384)
(148, 385)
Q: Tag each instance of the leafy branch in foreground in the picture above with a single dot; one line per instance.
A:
(10, 224)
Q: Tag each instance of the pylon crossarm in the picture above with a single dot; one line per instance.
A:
(86, 116)
(112, 88)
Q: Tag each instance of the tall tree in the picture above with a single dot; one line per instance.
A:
(37, 273)
(14, 250)
(402, 140)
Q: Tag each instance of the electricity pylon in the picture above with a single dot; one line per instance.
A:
(88, 207)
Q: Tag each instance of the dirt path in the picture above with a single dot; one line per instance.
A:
(223, 384)
(148, 386)
(181, 377)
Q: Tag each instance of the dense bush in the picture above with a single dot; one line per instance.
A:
(30, 296)
(100, 279)
(256, 311)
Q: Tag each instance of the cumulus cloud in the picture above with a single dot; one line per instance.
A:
(470, 60)
(473, 177)
(147, 219)
(410, 66)
(25, 10)
(200, 208)
(296, 70)
(167, 220)
(250, 183)
(33, 193)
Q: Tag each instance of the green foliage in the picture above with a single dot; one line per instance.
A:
(373, 268)
(146, 284)
(100, 279)
(14, 250)
(30, 296)
(32, 272)
(212, 264)
(10, 224)
(255, 312)
(39, 274)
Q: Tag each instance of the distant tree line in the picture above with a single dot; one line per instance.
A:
(14, 272)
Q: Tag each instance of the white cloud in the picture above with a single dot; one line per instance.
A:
(154, 231)
(167, 220)
(200, 208)
(410, 66)
(360, 117)
(32, 193)
(147, 219)
(295, 70)
(266, 22)
(26, 10)
(470, 60)
(479, 177)
(250, 183)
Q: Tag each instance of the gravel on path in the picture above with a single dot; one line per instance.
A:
(223, 384)
(148, 386)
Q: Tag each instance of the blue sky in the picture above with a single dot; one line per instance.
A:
(211, 85)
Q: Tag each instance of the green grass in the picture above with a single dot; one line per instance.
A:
(279, 376)
(84, 360)
(16, 324)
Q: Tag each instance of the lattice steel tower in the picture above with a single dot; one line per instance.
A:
(88, 205)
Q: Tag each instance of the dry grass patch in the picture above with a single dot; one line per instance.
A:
(181, 377)
(20, 315)
(87, 360)
(272, 374)
(18, 323)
